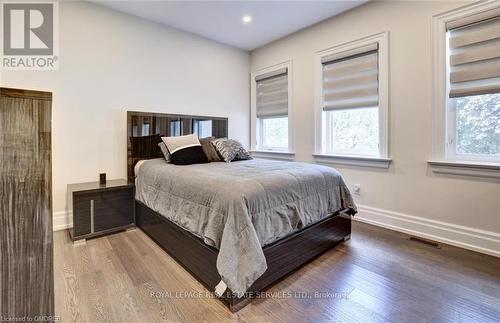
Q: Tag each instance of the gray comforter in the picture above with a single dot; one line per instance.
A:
(240, 207)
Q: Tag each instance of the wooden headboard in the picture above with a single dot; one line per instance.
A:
(143, 129)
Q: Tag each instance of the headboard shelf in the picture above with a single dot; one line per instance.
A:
(143, 126)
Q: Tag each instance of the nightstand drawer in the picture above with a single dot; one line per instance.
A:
(113, 209)
(99, 209)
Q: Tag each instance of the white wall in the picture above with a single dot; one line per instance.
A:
(408, 196)
(110, 63)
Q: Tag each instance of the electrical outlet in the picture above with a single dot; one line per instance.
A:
(357, 189)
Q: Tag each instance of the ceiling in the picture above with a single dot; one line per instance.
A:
(222, 20)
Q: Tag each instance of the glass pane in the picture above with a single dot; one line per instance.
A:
(352, 131)
(175, 128)
(478, 124)
(203, 128)
(145, 129)
(275, 133)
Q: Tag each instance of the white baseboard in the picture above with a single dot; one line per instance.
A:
(62, 220)
(464, 237)
(468, 238)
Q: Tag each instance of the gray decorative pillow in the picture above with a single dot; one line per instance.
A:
(230, 150)
(164, 150)
(243, 155)
(209, 149)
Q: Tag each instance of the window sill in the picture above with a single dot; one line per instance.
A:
(477, 169)
(273, 154)
(374, 162)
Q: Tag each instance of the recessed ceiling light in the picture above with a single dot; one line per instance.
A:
(246, 19)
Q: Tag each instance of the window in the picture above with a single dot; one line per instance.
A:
(274, 132)
(466, 91)
(352, 131)
(270, 109)
(474, 127)
(473, 88)
(352, 100)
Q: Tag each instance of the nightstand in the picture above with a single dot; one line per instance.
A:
(100, 209)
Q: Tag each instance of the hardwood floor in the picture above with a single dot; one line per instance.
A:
(377, 276)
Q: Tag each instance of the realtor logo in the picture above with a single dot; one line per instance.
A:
(29, 35)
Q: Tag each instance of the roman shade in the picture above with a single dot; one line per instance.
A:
(350, 78)
(272, 94)
(474, 43)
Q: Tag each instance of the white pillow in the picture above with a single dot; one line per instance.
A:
(180, 142)
(185, 150)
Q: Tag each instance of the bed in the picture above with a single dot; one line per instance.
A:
(237, 227)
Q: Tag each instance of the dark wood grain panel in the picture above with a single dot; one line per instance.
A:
(114, 209)
(26, 94)
(143, 124)
(196, 256)
(289, 253)
(81, 214)
(26, 255)
(98, 187)
(219, 128)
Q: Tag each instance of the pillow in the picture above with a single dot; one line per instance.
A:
(243, 155)
(230, 150)
(185, 150)
(209, 149)
(146, 147)
(164, 150)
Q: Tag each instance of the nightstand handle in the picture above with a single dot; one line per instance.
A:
(91, 216)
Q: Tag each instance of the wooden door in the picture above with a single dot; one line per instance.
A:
(26, 252)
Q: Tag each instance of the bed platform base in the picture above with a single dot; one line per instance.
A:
(283, 256)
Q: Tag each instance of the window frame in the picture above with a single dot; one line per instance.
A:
(444, 109)
(260, 135)
(256, 123)
(451, 139)
(329, 136)
(382, 158)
